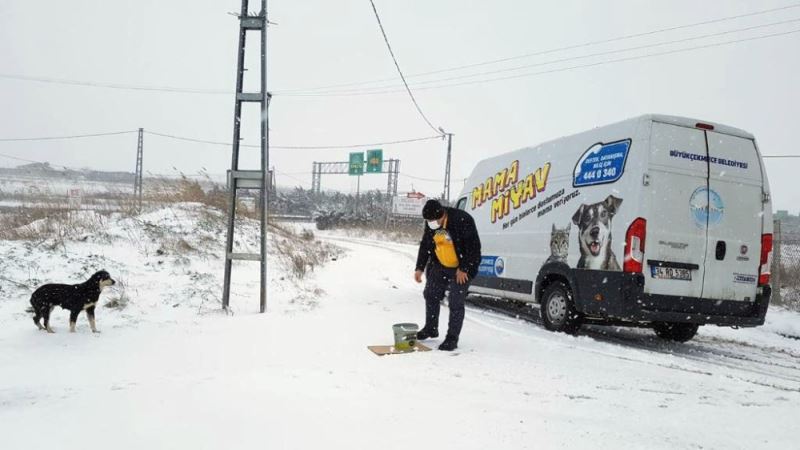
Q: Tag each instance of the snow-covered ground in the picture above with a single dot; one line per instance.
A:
(169, 371)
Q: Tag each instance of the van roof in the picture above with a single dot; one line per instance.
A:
(662, 118)
(692, 123)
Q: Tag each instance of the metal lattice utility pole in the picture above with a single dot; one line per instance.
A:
(316, 178)
(249, 179)
(393, 169)
(137, 177)
(446, 192)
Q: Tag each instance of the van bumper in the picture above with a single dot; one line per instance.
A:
(620, 296)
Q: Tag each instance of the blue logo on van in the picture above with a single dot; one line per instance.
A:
(601, 163)
(492, 266)
(499, 267)
(706, 207)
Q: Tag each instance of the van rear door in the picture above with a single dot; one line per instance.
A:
(676, 242)
(735, 209)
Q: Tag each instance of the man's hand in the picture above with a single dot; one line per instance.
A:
(418, 276)
(461, 276)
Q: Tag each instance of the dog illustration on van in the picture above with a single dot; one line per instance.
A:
(694, 192)
(594, 234)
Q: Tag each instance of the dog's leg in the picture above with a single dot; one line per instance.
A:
(37, 316)
(47, 319)
(73, 319)
(90, 315)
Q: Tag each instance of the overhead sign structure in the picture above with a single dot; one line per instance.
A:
(375, 161)
(356, 164)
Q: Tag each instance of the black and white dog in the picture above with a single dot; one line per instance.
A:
(594, 234)
(74, 297)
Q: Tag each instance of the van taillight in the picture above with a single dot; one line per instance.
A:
(634, 246)
(766, 260)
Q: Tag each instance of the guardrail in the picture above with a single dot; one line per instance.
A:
(290, 218)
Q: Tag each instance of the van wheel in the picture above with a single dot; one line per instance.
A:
(680, 332)
(557, 310)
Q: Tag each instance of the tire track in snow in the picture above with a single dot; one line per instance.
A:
(709, 354)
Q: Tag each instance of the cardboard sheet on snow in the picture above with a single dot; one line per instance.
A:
(381, 350)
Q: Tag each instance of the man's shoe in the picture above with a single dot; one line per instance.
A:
(427, 333)
(450, 343)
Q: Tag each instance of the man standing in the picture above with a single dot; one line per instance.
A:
(451, 250)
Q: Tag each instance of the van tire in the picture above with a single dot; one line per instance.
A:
(679, 332)
(557, 309)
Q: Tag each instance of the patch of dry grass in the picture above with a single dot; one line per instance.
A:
(302, 253)
(50, 226)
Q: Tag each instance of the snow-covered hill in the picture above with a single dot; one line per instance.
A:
(165, 261)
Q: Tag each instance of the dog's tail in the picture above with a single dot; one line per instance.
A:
(30, 310)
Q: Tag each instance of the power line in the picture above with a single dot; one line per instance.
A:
(119, 86)
(564, 69)
(554, 50)
(174, 89)
(38, 162)
(324, 147)
(296, 173)
(555, 61)
(199, 141)
(402, 77)
(203, 141)
(295, 147)
(288, 175)
(433, 180)
(57, 138)
(19, 159)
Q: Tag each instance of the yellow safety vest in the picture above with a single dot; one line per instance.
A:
(445, 250)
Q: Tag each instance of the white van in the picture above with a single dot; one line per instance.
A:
(654, 221)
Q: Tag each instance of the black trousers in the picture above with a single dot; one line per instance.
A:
(438, 280)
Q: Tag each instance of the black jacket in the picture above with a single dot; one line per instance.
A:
(461, 227)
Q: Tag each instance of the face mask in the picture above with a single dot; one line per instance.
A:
(433, 224)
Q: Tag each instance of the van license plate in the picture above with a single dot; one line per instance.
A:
(671, 273)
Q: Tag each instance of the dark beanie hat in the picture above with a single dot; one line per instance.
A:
(432, 210)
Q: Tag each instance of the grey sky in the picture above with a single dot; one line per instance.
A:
(191, 44)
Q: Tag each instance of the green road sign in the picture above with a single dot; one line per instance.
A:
(356, 163)
(375, 161)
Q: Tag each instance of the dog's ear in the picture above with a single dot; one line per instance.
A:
(576, 218)
(569, 226)
(612, 204)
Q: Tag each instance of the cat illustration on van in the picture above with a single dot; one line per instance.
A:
(559, 244)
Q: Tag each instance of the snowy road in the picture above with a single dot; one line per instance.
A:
(304, 378)
(777, 358)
